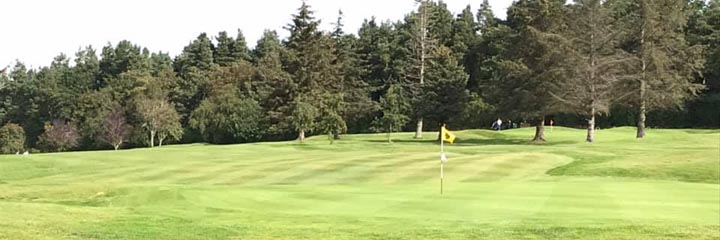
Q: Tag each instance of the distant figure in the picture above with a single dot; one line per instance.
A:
(551, 124)
(17, 153)
(26, 153)
(510, 124)
(497, 125)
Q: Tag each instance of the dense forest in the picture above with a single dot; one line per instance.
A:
(587, 64)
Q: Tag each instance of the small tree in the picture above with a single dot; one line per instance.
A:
(59, 136)
(394, 108)
(303, 117)
(169, 127)
(330, 121)
(115, 128)
(160, 119)
(12, 138)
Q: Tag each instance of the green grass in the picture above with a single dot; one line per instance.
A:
(497, 186)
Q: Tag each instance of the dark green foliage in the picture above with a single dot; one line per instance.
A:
(666, 64)
(444, 93)
(464, 36)
(121, 58)
(526, 69)
(231, 50)
(358, 108)
(12, 138)
(395, 108)
(199, 54)
(330, 121)
(278, 85)
(226, 118)
(486, 18)
(429, 67)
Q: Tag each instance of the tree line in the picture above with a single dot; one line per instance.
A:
(589, 63)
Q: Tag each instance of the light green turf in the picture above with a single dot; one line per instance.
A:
(497, 186)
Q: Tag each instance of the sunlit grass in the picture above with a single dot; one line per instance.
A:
(498, 185)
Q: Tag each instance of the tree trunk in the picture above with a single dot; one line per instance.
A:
(116, 146)
(540, 130)
(641, 120)
(591, 127)
(641, 114)
(160, 140)
(302, 135)
(418, 131)
(423, 39)
(152, 139)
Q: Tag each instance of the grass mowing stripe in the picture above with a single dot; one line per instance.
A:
(661, 187)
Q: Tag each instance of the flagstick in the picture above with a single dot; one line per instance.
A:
(442, 164)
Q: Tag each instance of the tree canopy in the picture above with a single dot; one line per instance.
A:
(589, 63)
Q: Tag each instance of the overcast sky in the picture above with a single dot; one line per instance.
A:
(34, 31)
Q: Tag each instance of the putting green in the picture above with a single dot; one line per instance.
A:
(497, 186)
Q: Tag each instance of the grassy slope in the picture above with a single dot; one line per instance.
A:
(498, 186)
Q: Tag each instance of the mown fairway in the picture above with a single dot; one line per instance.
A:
(497, 186)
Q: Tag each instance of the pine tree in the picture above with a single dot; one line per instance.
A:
(223, 53)
(421, 45)
(485, 17)
(239, 50)
(374, 52)
(394, 109)
(527, 67)
(594, 65)
(667, 64)
(198, 54)
(278, 85)
(357, 107)
(445, 94)
(464, 36)
(311, 60)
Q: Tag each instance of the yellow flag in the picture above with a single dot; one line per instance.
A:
(447, 135)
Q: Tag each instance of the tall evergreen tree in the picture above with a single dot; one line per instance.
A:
(464, 35)
(421, 45)
(445, 94)
(278, 84)
(223, 51)
(667, 64)
(357, 108)
(485, 17)
(594, 65)
(311, 59)
(527, 67)
(240, 50)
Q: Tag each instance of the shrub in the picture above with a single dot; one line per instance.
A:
(59, 136)
(12, 138)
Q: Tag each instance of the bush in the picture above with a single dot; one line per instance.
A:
(59, 136)
(226, 118)
(12, 138)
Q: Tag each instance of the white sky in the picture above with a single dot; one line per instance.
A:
(35, 31)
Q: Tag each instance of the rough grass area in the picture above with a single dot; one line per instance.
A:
(498, 185)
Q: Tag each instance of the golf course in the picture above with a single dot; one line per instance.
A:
(497, 185)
